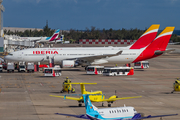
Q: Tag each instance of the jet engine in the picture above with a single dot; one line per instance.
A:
(68, 63)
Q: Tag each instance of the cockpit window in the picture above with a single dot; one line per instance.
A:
(10, 54)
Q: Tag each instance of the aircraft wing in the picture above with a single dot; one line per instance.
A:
(70, 98)
(76, 116)
(138, 116)
(114, 99)
(92, 58)
(36, 39)
(81, 83)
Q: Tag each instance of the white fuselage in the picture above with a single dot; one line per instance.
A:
(59, 54)
(32, 38)
(115, 113)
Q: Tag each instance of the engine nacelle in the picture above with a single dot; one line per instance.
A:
(67, 63)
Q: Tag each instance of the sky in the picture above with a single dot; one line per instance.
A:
(82, 14)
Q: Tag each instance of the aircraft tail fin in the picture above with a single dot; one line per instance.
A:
(62, 38)
(88, 105)
(146, 38)
(158, 46)
(83, 90)
(163, 38)
(54, 36)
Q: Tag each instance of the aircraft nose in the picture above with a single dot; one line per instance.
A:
(8, 57)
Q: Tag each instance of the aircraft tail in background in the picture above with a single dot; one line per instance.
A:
(158, 46)
(148, 36)
(54, 36)
(61, 39)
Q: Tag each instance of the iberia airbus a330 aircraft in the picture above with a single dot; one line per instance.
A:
(84, 56)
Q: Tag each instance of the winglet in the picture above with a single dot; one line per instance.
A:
(118, 53)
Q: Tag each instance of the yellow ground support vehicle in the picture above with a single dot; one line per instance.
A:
(176, 85)
(67, 86)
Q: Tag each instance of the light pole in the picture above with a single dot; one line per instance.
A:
(1, 17)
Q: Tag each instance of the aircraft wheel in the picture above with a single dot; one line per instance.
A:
(172, 91)
(116, 96)
(61, 91)
(80, 105)
(142, 115)
(85, 67)
(109, 105)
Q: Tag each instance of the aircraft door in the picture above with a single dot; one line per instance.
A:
(20, 56)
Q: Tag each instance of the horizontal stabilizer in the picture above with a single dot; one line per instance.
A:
(70, 98)
(158, 52)
(80, 83)
(75, 116)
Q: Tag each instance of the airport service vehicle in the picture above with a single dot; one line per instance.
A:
(141, 65)
(67, 86)
(22, 68)
(1, 67)
(52, 71)
(10, 67)
(94, 70)
(95, 98)
(43, 39)
(116, 71)
(97, 55)
(30, 67)
(117, 113)
(4, 66)
(176, 86)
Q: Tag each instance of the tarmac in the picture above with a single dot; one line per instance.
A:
(25, 96)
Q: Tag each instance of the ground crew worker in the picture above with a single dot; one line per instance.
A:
(177, 81)
(69, 89)
(176, 85)
(73, 90)
(66, 80)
